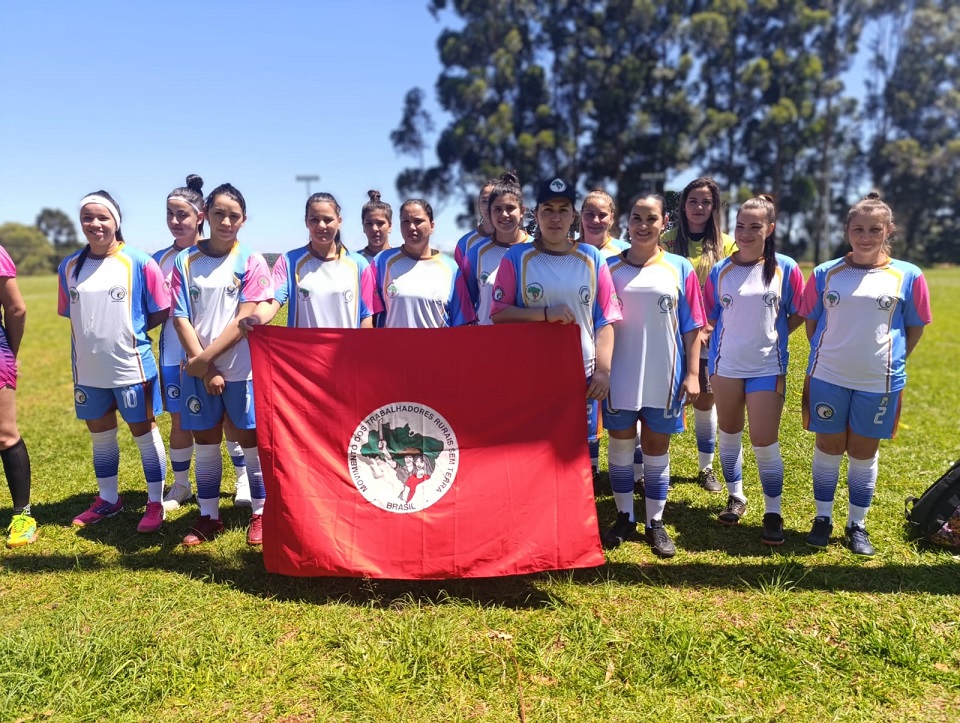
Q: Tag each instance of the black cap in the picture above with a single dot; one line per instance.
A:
(556, 188)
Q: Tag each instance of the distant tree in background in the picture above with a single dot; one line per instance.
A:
(60, 232)
(28, 247)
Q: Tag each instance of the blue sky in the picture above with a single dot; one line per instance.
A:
(131, 97)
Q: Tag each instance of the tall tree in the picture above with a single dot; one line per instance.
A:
(28, 247)
(57, 227)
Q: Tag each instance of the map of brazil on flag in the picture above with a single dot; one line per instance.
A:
(424, 453)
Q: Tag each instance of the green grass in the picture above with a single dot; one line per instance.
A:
(106, 624)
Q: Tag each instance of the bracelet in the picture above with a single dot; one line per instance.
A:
(545, 314)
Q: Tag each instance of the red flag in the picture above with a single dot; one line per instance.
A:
(424, 453)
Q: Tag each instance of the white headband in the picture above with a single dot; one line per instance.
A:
(94, 198)
(185, 200)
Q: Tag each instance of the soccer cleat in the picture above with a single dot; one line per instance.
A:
(658, 539)
(176, 496)
(22, 530)
(859, 541)
(708, 480)
(241, 495)
(621, 531)
(255, 531)
(772, 533)
(99, 510)
(153, 518)
(733, 512)
(819, 536)
(203, 530)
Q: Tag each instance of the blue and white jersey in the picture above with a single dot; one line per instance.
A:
(466, 242)
(751, 331)
(109, 302)
(324, 294)
(171, 352)
(420, 293)
(208, 291)
(660, 302)
(479, 269)
(862, 314)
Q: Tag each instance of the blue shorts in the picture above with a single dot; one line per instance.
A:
(201, 410)
(593, 417)
(773, 383)
(661, 421)
(170, 379)
(136, 403)
(832, 409)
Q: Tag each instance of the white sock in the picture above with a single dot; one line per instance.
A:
(209, 472)
(180, 458)
(258, 493)
(620, 464)
(153, 457)
(826, 474)
(731, 460)
(106, 459)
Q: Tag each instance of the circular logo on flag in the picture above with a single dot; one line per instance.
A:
(403, 457)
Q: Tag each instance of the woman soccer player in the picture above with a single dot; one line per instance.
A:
(22, 529)
(327, 286)
(185, 222)
(656, 355)
(417, 286)
(484, 227)
(556, 280)
(505, 210)
(377, 217)
(113, 295)
(214, 285)
(865, 314)
(752, 298)
(698, 237)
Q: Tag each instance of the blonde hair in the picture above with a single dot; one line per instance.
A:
(872, 203)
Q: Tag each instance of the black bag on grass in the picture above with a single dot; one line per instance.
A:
(935, 516)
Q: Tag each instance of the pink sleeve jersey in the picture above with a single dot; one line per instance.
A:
(751, 331)
(580, 279)
(7, 270)
(420, 293)
(334, 294)
(109, 302)
(208, 290)
(862, 314)
(660, 302)
(464, 245)
(480, 274)
(170, 350)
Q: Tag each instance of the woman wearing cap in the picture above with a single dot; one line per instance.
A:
(113, 295)
(554, 279)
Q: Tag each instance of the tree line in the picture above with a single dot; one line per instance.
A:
(38, 249)
(626, 94)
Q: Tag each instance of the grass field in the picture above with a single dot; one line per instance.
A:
(105, 624)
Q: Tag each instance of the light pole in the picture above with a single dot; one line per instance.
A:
(308, 180)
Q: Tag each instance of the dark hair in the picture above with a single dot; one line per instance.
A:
(418, 202)
(85, 252)
(375, 204)
(324, 198)
(508, 185)
(225, 189)
(655, 196)
(712, 236)
(870, 204)
(766, 203)
(192, 194)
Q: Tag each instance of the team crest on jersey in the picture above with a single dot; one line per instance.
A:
(498, 294)
(771, 298)
(263, 282)
(392, 291)
(403, 457)
(74, 295)
(825, 411)
(585, 295)
(534, 291)
(726, 300)
(348, 296)
(831, 299)
(665, 303)
(232, 290)
(194, 294)
(303, 293)
(118, 293)
(194, 405)
(173, 391)
(79, 396)
(484, 277)
(884, 302)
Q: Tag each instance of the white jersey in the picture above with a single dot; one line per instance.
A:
(660, 302)
(480, 274)
(109, 302)
(208, 290)
(420, 293)
(334, 294)
(751, 331)
(170, 350)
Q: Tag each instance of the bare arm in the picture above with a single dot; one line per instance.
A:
(264, 313)
(811, 328)
(690, 387)
(913, 334)
(600, 381)
(14, 312)
(156, 318)
(794, 322)
(228, 337)
(560, 314)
